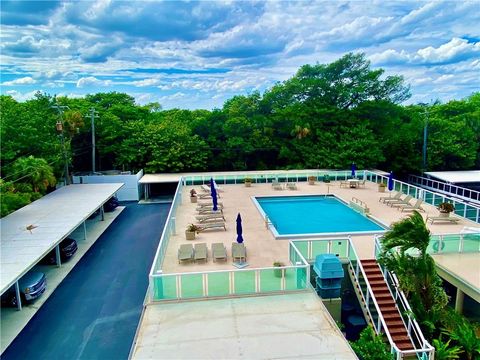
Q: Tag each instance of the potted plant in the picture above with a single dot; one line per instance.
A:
(381, 187)
(278, 272)
(248, 182)
(311, 180)
(191, 230)
(445, 209)
(326, 178)
(193, 196)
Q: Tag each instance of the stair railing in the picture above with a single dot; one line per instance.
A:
(421, 345)
(368, 299)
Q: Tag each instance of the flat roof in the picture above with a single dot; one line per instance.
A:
(286, 326)
(53, 217)
(456, 176)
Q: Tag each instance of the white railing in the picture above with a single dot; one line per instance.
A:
(422, 346)
(468, 211)
(454, 243)
(465, 193)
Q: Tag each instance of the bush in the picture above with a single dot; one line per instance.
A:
(370, 346)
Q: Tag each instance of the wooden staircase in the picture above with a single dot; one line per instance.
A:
(386, 303)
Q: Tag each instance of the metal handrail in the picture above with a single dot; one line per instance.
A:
(377, 307)
(400, 297)
(423, 181)
(421, 191)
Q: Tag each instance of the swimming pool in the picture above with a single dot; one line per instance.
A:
(298, 216)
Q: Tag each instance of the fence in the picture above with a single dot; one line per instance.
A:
(238, 282)
(469, 211)
(454, 243)
(467, 194)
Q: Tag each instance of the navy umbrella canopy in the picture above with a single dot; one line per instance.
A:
(390, 181)
(354, 168)
(239, 229)
(213, 192)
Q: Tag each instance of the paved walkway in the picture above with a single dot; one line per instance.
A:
(94, 313)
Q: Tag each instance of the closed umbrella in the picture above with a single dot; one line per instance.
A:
(239, 229)
(354, 167)
(390, 181)
(213, 192)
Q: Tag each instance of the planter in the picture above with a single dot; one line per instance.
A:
(193, 199)
(444, 214)
(311, 182)
(190, 235)
(381, 189)
(248, 184)
(278, 272)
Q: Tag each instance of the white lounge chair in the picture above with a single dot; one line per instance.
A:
(210, 217)
(276, 185)
(395, 197)
(212, 225)
(291, 186)
(416, 206)
(450, 219)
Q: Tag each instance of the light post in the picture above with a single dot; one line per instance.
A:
(425, 134)
(93, 114)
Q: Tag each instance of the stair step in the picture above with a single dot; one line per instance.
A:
(404, 345)
(385, 301)
(399, 330)
(395, 323)
(368, 261)
(388, 309)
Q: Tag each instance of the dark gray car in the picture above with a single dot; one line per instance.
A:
(32, 285)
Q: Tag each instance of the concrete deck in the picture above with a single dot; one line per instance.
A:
(293, 326)
(262, 248)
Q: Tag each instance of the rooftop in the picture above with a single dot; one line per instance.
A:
(468, 176)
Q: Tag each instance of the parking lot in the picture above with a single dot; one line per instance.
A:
(94, 312)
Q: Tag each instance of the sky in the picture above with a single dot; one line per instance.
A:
(196, 55)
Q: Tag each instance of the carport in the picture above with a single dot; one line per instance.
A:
(159, 187)
(30, 233)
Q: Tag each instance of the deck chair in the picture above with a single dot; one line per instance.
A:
(212, 225)
(205, 188)
(276, 185)
(201, 252)
(291, 186)
(209, 211)
(219, 252)
(185, 253)
(210, 217)
(416, 206)
(395, 197)
(239, 252)
(405, 200)
(344, 183)
(209, 205)
(451, 219)
(218, 188)
(361, 183)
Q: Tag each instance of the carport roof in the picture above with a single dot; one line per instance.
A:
(468, 176)
(53, 217)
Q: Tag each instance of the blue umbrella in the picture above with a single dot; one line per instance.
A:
(354, 167)
(390, 181)
(213, 192)
(239, 229)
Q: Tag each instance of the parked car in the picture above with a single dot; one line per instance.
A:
(111, 204)
(68, 248)
(32, 285)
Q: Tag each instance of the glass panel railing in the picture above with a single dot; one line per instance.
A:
(164, 287)
(339, 247)
(218, 283)
(452, 243)
(191, 285)
(271, 280)
(295, 278)
(318, 248)
(302, 247)
(244, 282)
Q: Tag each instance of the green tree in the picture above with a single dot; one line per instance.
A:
(444, 351)
(371, 346)
(465, 335)
(34, 171)
(404, 253)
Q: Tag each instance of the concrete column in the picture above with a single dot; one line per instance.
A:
(19, 298)
(57, 256)
(459, 301)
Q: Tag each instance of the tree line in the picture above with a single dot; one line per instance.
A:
(326, 116)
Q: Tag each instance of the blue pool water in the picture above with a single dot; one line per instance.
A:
(296, 215)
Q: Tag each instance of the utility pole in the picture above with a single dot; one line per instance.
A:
(425, 133)
(59, 127)
(93, 114)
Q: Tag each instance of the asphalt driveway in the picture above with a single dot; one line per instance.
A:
(94, 312)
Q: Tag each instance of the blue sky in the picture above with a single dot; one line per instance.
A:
(198, 54)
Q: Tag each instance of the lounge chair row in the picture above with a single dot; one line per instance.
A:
(199, 252)
(403, 204)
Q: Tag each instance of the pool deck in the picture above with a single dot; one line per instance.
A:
(262, 248)
(291, 326)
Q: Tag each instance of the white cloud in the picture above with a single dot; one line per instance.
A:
(27, 80)
(92, 81)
